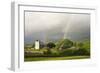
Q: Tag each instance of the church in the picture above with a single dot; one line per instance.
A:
(37, 45)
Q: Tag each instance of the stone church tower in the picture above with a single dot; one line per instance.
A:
(37, 44)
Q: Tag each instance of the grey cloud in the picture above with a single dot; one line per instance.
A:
(39, 25)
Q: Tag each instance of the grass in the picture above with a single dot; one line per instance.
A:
(54, 58)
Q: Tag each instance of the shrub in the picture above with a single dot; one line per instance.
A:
(74, 52)
(81, 51)
(51, 45)
(67, 52)
(67, 44)
(55, 52)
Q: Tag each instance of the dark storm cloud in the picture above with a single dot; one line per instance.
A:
(54, 26)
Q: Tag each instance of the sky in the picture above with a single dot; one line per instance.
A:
(50, 26)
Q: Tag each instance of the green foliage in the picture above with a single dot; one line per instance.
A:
(85, 47)
(80, 44)
(59, 43)
(67, 52)
(67, 44)
(48, 51)
(69, 48)
(81, 51)
(51, 45)
(33, 45)
(74, 52)
(55, 52)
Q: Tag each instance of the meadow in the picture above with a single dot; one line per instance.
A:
(55, 58)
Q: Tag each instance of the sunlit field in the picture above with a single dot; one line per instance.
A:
(55, 58)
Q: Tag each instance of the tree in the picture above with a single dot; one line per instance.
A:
(80, 44)
(50, 45)
(67, 44)
(84, 48)
(33, 45)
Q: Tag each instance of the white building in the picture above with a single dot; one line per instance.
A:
(37, 44)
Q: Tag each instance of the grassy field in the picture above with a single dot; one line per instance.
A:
(55, 58)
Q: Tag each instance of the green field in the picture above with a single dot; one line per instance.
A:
(55, 58)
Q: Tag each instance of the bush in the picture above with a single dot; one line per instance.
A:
(67, 44)
(33, 45)
(51, 45)
(74, 52)
(83, 48)
(55, 52)
(81, 51)
(67, 52)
